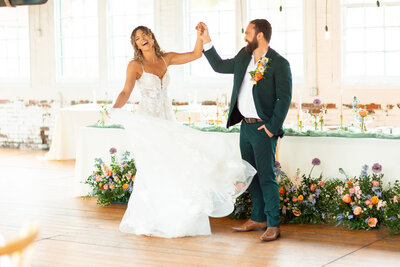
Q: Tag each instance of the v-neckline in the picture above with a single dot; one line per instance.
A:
(162, 78)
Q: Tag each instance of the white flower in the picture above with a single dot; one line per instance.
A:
(261, 69)
(380, 204)
(265, 59)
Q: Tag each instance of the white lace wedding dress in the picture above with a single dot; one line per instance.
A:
(183, 175)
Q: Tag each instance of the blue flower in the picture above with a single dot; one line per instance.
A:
(283, 211)
(366, 220)
(350, 217)
(392, 218)
(339, 216)
(317, 192)
(292, 188)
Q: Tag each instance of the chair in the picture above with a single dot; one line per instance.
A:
(16, 247)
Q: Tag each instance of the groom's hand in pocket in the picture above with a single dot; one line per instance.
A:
(266, 130)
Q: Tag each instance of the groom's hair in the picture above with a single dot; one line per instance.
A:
(262, 25)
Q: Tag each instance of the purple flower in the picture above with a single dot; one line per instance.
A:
(317, 101)
(316, 162)
(350, 217)
(377, 168)
(392, 218)
(113, 150)
(277, 164)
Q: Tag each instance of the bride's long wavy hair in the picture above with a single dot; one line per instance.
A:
(138, 53)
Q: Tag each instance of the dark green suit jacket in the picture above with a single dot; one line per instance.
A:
(272, 95)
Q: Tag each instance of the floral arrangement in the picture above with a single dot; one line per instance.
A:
(262, 66)
(317, 113)
(392, 211)
(356, 202)
(103, 115)
(114, 182)
(360, 113)
(362, 204)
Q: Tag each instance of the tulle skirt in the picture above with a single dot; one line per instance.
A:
(183, 177)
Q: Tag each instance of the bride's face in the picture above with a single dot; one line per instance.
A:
(143, 40)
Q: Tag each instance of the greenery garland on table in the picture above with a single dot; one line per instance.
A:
(357, 202)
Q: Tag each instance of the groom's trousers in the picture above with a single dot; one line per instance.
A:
(258, 149)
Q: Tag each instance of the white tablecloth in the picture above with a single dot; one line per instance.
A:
(68, 121)
(294, 152)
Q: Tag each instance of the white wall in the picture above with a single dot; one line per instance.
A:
(323, 60)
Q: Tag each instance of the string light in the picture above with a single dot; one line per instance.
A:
(327, 34)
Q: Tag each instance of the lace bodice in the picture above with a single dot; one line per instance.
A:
(154, 95)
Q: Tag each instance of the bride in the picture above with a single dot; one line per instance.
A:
(183, 175)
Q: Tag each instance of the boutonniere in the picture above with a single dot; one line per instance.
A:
(262, 66)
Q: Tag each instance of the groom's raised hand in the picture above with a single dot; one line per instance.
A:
(202, 30)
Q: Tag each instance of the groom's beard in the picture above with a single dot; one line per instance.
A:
(251, 46)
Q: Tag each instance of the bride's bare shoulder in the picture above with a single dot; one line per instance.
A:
(134, 67)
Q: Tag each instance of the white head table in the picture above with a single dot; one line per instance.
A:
(294, 152)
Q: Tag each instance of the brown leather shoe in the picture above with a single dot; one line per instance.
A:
(251, 225)
(271, 234)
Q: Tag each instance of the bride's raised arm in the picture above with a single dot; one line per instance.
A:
(132, 73)
(173, 58)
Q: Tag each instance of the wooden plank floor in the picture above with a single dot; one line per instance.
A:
(76, 232)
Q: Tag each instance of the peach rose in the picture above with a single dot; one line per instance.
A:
(375, 183)
(112, 186)
(368, 202)
(374, 200)
(372, 222)
(395, 199)
(357, 210)
(362, 112)
(296, 213)
(105, 186)
(313, 187)
(258, 76)
(294, 199)
(352, 190)
(281, 191)
(346, 198)
(322, 184)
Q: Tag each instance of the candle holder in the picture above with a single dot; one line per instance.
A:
(189, 118)
(301, 126)
(298, 122)
(341, 123)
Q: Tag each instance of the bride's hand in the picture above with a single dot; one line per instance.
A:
(202, 32)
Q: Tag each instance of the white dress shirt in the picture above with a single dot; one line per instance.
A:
(246, 103)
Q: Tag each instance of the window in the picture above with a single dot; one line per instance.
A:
(122, 17)
(220, 17)
(14, 44)
(287, 30)
(371, 42)
(76, 25)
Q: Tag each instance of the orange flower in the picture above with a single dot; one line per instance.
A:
(372, 222)
(125, 186)
(112, 186)
(258, 76)
(346, 198)
(259, 64)
(109, 172)
(362, 112)
(357, 210)
(133, 177)
(98, 178)
(313, 187)
(300, 198)
(282, 191)
(374, 200)
(349, 183)
(296, 213)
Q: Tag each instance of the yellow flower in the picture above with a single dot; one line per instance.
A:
(374, 200)
(125, 186)
(300, 198)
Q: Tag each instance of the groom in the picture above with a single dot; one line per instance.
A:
(260, 100)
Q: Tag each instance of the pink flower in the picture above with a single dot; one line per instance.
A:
(375, 183)
(294, 199)
(313, 187)
(395, 199)
(352, 190)
(368, 202)
(322, 184)
(105, 187)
